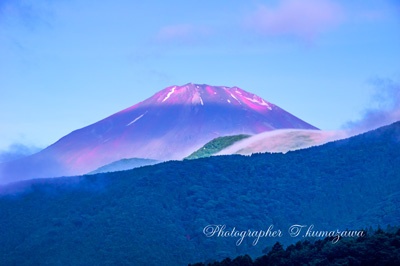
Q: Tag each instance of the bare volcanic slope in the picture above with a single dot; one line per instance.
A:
(169, 125)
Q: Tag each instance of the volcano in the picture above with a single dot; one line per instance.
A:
(170, 125)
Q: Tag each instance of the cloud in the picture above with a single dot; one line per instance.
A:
(17, 151)
(185, 33)
(282, 140)
(304, 19)
(385, 110)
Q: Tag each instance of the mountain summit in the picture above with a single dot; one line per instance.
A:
(169, 125)
(192, 94)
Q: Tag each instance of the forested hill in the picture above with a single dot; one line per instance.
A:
(155, 215)
(374, 249)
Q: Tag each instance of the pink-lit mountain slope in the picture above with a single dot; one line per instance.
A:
(169, 125)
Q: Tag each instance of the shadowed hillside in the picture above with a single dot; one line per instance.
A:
(155, 215)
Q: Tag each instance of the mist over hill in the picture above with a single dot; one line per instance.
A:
(124, 164)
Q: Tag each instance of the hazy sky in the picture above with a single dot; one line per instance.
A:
(65, 64)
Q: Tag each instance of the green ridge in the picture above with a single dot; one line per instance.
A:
(216, 145)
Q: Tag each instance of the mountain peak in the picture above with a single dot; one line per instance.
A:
(171, 124)
(202, 94)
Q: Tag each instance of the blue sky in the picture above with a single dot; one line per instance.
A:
(65, 64)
